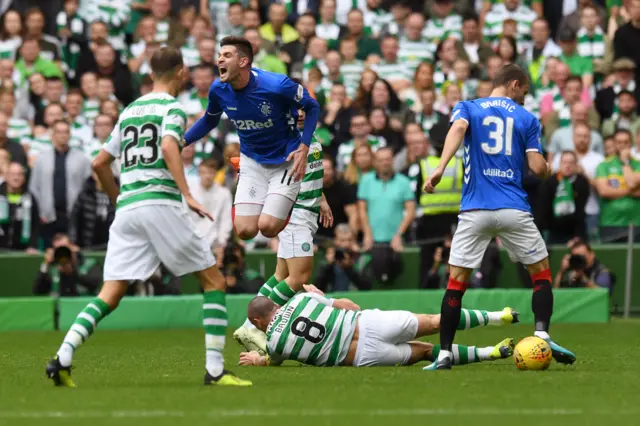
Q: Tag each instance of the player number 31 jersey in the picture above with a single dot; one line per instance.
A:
(499, 135)
(307, 329)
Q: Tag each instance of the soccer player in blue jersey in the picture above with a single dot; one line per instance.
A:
(273, 154)
(499, 136)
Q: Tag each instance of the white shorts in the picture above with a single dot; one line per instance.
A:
(517, 232)
(383, 337)
(140, 238)
(256, 181)
(295, 241)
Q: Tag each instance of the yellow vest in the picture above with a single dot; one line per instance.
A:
(448, 194)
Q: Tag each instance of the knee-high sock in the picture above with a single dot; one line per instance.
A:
(450, 314)
(542, 302)
(83, 327)
(282, 293)
(215, 328)
(465, 354)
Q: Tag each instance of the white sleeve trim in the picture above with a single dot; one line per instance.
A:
(218, 113)
(459, 118)
(533, 150)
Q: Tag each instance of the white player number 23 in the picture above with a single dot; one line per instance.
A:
(501, 139)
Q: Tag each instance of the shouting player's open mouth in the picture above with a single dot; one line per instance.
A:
(223, 72)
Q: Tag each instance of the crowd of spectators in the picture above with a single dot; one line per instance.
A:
(386, 73)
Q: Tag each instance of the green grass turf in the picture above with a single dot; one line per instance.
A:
(154, 378)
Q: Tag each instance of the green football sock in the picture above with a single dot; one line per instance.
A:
(267, 287)
(281, 293)
(215, 327)
(471, 318)
(462, 354)
(83, 327)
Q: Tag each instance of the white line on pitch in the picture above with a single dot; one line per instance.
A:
(310, 412)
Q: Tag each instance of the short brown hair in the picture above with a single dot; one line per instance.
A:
(242, 45)
(166, 61)
(509, 73)
(209, 163)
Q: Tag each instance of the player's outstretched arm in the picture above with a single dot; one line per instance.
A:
(102, 166)
(207, 122)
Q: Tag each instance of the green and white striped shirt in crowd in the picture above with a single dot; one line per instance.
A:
(114, 13)
(393, 72)
(162, 31)
(308, 62)
(345, 150)
(375, 20)
(328, 31)
(411, 98)
(438, 29)
(427, 121)
(307, 207)
(591, 46)
(190, 54)
(309, 330)
(413, 52)
(18, 129)
(562, 108)
(136, 140)
(532, 104)
(9, 47)
(351, 74)
(194, 104)
(523, 16)
(440, 78)
(38, 144)
(91, 109)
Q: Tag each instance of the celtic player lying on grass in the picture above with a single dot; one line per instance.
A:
(316, 330)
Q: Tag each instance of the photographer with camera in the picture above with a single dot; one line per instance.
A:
(581, 269)
(239, 278)
(343, 266)
(66, 272)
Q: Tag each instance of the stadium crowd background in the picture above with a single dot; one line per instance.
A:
(386, 74)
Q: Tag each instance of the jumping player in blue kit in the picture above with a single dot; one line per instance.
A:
(263, 106)
(499, 136)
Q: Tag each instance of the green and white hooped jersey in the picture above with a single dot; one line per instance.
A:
(309, 330)
(494, 20)
(307, 207)
(136, 140)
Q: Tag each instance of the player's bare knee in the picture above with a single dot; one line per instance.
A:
(245, 228)
(270, 226)
(428, 324)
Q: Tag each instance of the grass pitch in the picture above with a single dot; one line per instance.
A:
(155, 378)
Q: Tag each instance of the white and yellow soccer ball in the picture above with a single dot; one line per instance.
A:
(532, 353)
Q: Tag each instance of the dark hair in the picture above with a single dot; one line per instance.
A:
(387, 37)
(53, 78)
(202, 67)
(235, 3)
(514, 46)
(209, 163)
(509, 73)
(624, 131)
(146, 80)
(395, 104)
(471, 17)
(626, 92)
(579, 242)
(3, 33)
(33, 11)
(572, 153)
(574, 77)
(241, 44)
(75, 91)
(166, 61)
(308, 15)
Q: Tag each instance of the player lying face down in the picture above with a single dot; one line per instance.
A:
(316, 330)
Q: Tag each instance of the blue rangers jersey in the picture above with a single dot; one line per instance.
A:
(265, 114)
(499, 135)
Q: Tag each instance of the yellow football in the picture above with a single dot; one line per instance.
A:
(532, 353)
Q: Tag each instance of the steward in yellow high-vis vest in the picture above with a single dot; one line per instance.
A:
(448, 194)
(439, 211)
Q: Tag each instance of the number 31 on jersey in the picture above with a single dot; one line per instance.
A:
(502, 138)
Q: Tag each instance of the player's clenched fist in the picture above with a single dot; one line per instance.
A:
(433, 181)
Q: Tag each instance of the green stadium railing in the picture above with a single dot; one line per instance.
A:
(18, 271)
